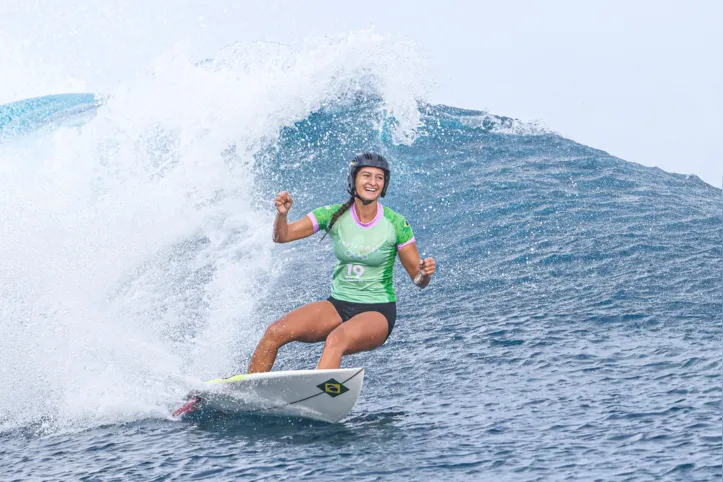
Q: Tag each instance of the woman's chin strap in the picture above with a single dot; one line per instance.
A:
(364, 202)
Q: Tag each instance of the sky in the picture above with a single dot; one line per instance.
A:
(642, 80)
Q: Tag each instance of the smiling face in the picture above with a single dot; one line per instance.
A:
(369, 183)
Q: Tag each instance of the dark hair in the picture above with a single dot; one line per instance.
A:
(344, 208)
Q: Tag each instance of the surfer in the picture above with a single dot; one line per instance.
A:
(361, 311)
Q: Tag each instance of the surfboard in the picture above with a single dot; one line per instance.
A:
(326, 395)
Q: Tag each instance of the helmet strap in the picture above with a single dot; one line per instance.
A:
(364, 201)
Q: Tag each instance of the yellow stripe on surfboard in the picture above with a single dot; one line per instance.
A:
(235, 378)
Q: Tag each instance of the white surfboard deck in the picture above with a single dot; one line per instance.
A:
(326, 395)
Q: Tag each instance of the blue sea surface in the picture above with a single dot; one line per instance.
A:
(572, 331)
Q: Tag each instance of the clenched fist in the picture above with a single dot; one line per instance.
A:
(283, 202)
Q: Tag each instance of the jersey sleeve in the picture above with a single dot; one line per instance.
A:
(404, 232)
(320, 217)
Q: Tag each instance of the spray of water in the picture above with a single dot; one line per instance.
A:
(133, 248)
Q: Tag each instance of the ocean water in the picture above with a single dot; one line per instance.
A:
(572, 331)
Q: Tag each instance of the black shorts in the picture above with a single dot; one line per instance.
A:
(348, 309)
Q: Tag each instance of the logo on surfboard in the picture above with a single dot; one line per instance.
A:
(332, 388)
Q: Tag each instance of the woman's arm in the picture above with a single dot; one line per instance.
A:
(420, 271)
(283, 231)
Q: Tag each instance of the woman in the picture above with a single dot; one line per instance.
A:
(360, 314)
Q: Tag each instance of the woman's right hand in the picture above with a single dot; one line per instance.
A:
(283, 202)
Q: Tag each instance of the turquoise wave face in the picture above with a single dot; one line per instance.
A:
(27, 115)
(524, 220)
(573, 325)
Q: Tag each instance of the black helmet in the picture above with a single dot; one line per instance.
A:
(367, 159)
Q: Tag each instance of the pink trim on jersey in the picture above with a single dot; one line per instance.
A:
(400, 246)
(314, 222)
(377, 218)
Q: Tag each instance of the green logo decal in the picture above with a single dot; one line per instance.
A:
(332, 388)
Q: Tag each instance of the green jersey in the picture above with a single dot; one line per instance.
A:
(365, 253)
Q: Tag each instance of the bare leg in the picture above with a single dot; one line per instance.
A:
(310, 323)
(364, 332)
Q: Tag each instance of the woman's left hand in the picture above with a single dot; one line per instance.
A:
(427, 266)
